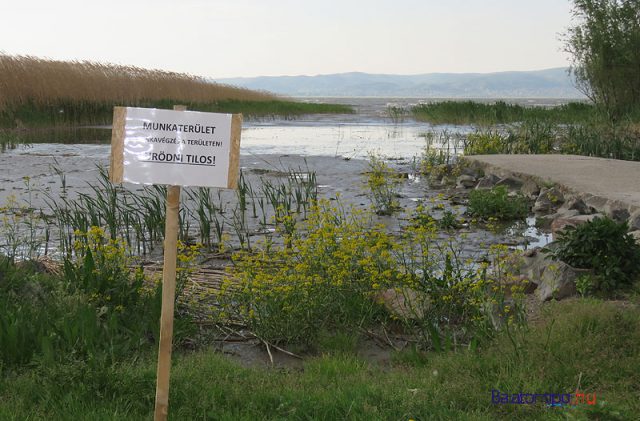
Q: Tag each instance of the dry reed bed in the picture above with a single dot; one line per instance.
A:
(201, 289)
(26, 79)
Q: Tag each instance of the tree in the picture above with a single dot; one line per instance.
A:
(605, 45)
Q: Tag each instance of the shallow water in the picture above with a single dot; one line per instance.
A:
(369, 129)
(337, 140)
(344, 140)
(275, 144)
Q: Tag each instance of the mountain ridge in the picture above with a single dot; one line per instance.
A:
(545, 83)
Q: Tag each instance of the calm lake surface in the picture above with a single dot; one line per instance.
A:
(369, 129)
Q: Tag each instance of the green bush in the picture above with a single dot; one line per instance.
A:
(604, 246)
(496, 203)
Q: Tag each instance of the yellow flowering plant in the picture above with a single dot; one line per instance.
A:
(325, 279)
(455, 300)
(383, 183)
(335, 273)
(100, 268)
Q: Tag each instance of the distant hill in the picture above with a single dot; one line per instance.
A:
(548, 83)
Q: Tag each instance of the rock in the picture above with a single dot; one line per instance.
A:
(558, 281)
(554, 279)
(542, 204)
(634, 221)
(533, 264)
(577, 204)
(555, 195)
(487, 182)
(616, 211)
(510, 183)
(548, 200)
(474, 172)
(465, 181)
(405, 303)
(545, 221)
(596, 202)
(530, 189)
(458, 199)
(636, 235)
(561, 223)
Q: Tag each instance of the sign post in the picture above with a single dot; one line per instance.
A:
(176, 148)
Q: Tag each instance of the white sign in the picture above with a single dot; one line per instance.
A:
(180, 148)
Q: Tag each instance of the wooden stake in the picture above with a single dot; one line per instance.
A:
(168, 298)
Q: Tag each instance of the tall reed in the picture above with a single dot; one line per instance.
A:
(27, 79)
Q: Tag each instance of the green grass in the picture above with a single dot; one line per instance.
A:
(500, 112)
(496, 203)
(591, 341)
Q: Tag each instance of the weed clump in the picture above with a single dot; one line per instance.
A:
(497, 203)
(383, 186)
(96, 309)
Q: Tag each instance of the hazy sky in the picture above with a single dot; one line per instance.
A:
(287, 37)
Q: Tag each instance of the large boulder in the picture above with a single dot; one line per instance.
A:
(511, 183)
(596, 202)
(578, 205)
(616, 210)
(634, 220)
(558, 281)
(465, 181)
(473, 171)
(561, 223)
(488, 181)
(545, 221)
(548, 200)
(554, 279)
(530, 189)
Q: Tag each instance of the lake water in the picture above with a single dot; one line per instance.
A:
(369, 129)
(27, 172)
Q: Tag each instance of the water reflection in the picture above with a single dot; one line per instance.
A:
(348, 141)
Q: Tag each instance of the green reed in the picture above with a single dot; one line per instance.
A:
(501, 112)
(138, 217)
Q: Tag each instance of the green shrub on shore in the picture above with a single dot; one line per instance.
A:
(604, 246)
(497, 203)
